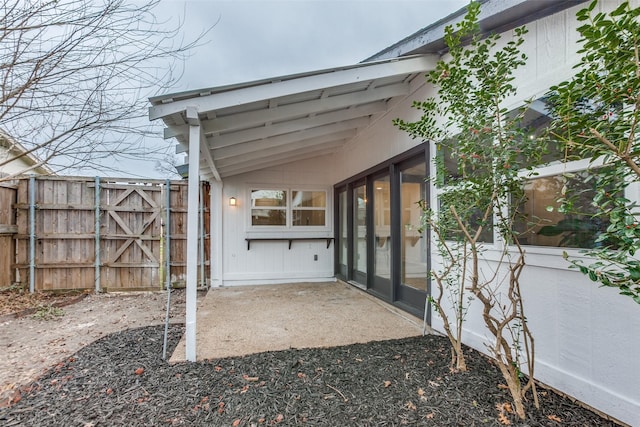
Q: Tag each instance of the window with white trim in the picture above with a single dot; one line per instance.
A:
(543, 219)
(269, 207)
(289, 208)
(309, 208)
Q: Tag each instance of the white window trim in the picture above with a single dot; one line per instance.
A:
(552, 256)
(289, 230)
(541, 256)
(283, 208)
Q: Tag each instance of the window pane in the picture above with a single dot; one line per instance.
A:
(260, 198)
(542, 221)
(268, 207)
(382, 226)
(268, 217)
(342, 245)
(360, 228)
(448, 170)
(309, 199)
(414, 244)
(308, 217)
(535, 122)
(454, 166)
(471, 215)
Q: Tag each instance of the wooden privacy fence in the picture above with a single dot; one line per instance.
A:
(7, 230)
(105, 234)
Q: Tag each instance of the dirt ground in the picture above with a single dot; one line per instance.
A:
(35, 335)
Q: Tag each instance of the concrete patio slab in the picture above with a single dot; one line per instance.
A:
(244, 320)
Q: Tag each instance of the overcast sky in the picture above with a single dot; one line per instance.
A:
(266, 38)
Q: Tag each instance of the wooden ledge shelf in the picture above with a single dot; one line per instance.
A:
(286, 239)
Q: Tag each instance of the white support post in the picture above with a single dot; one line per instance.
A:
(192, 234)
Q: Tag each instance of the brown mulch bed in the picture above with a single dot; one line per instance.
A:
(121, 380)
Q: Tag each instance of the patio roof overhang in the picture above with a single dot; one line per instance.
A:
(275, 121)
(251, 126)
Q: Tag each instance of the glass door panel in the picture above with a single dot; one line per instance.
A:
(382, 244)
(343, 253)
(414, 251)
(359, 243)
(382, 227)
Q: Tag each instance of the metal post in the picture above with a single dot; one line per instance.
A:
(97, 235)
(32, 233)
(167, 258)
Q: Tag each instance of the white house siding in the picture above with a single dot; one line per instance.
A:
(382, 140)
(13, 167)
(586, 337)
(18, 165)
(273, 261)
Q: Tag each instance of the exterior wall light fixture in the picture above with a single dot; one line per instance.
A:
(233, 201)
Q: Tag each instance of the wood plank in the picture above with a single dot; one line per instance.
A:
(62, 236)
(56, 266)
(107, 185)
(8, 229)
(79, 236)
(131, 265)
(56, 206)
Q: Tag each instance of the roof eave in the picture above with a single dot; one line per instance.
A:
(496, 16)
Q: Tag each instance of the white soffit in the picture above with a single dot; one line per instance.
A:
(260, 124)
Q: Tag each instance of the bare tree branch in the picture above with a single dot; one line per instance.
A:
(76, 75)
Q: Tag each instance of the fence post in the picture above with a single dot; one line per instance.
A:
(168, 236)
(167, 265)
(97, 234)
(203, 277)
(32, 233)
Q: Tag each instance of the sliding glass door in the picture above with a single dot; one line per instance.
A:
(381, 245)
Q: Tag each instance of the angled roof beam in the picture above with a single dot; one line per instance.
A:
(264, 132)
(284, 149)
(249, 147)
(174, 131)
(245, 95)
(205, 154)
(253, 118)
(279, 160)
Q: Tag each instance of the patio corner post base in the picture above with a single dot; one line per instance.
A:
(190, 341)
